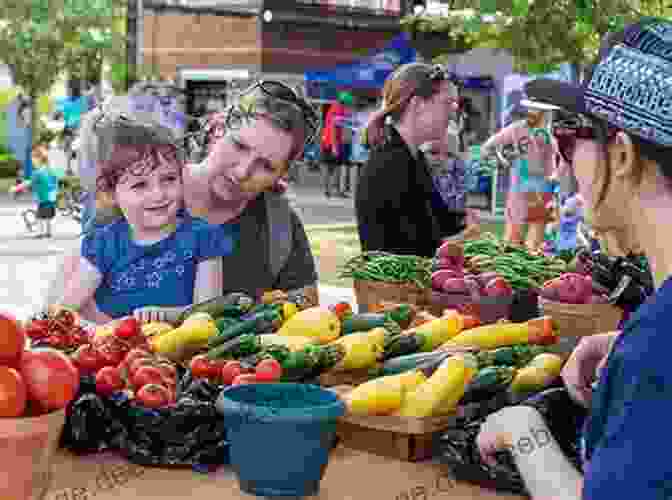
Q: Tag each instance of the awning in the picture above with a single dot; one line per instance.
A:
(368, 73)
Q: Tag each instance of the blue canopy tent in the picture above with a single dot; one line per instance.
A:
(368, 73)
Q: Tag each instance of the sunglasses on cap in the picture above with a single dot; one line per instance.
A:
(439, 74)
(280, 92)
(568, 129)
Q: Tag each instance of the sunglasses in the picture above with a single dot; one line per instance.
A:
(277, 91)
(567, 130)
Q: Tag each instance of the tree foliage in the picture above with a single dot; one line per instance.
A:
(542, 34)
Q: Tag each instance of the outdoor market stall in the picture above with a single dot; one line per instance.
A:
(271, 397)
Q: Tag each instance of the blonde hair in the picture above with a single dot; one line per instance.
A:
(407, 81)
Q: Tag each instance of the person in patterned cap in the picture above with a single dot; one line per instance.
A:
(621, 150)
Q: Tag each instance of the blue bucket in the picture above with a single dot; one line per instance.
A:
(280, 436)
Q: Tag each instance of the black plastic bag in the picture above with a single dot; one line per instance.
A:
(458, 449)
(188, 433)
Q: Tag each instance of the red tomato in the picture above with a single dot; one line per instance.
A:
(139, 363)
(147, 375)
(268, 370)
(342, 309)
(134, 354)
(12, 339)
(108, 381)
(153, 396)
(168, 370)
(201, 366)
(230, 371)
(52, 379)
(113, 350)
(87, 358)
(13, 393)
(37, 329)
(245, 378)
(128, 328)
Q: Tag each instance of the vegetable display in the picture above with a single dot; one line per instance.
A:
(391, 268)
(517, 265)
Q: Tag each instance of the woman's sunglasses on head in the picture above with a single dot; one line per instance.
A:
(568, 129)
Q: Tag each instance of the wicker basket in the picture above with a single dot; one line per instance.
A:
(371, 293)
(581, 320)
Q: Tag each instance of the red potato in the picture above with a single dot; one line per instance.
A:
(449, 263)
(498, 287)
(598, 299)
(485, 278)
(440, 277)
(449, 249)
(454, 285)
(473, 288)
(573, 288)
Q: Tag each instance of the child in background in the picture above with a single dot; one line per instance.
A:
(571, 215)
(44, 185)
(156, 259)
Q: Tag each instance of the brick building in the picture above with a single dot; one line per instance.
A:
(212, 46)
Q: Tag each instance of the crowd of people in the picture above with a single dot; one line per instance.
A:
(166, 233)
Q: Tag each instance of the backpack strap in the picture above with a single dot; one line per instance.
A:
(280, 231)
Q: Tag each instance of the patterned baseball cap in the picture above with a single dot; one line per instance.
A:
(630, 86)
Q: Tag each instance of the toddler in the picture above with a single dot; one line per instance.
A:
(44, 185)
(155, 259)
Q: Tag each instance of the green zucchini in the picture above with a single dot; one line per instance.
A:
(224, 323)
(243, 345)
(232, 304)
(411, 361)
(363, 322)
(248, 325)
(402, 344)
(487, 383)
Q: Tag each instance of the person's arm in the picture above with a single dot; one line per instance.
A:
(546, 471)
(630, 461)
(299, 276)
(504, 137)
(81, 288)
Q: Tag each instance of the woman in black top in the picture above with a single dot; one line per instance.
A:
(398, 208)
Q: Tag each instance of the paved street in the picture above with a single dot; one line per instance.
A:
(27, 264)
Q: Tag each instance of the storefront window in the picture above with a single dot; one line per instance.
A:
(376, 5)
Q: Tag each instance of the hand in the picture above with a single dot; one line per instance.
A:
(581, 368)
(154, 313)
(501, 429)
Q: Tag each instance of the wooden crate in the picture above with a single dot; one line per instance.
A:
(403, 438)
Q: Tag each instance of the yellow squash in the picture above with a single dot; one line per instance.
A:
(440, 330)
(531, 379)
(181, 342)
(503, 334)
(550, 362)
(362, 349)
(442, 390)
(316, 322)
(291, 343)
(156, 328)
(384, 395)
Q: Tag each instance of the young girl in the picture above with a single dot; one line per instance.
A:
(156, 259)
(44, 185)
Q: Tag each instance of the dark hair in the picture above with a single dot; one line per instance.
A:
(134, 159)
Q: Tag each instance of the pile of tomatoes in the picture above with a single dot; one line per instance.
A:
(148, 380)
(60, 330)
(229, 372)
(33, 382)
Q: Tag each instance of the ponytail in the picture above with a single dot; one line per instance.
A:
(375, 130)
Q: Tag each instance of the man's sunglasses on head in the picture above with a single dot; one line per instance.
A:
(568, 129)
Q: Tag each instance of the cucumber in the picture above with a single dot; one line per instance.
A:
(402, 364)
(243, 345)
(363, 322)
(232, 304)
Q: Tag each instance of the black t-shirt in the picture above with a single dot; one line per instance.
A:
(249, 269)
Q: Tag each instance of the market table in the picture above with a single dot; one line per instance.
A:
(351, 475)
